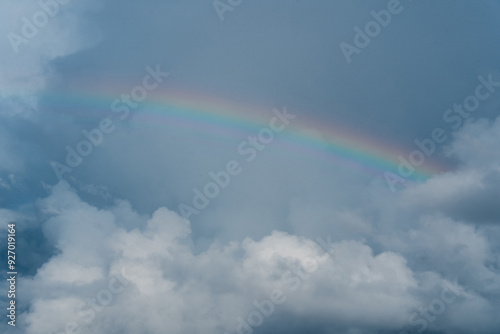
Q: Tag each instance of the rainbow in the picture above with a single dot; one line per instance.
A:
(221, 119)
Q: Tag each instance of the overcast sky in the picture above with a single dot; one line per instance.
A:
(237, 166)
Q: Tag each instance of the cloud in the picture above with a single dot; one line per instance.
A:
(25, 71)
(474, 144)
(470, 192)
(64, 27)
(168, 285)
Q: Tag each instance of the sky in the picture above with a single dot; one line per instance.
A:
(235, 166)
